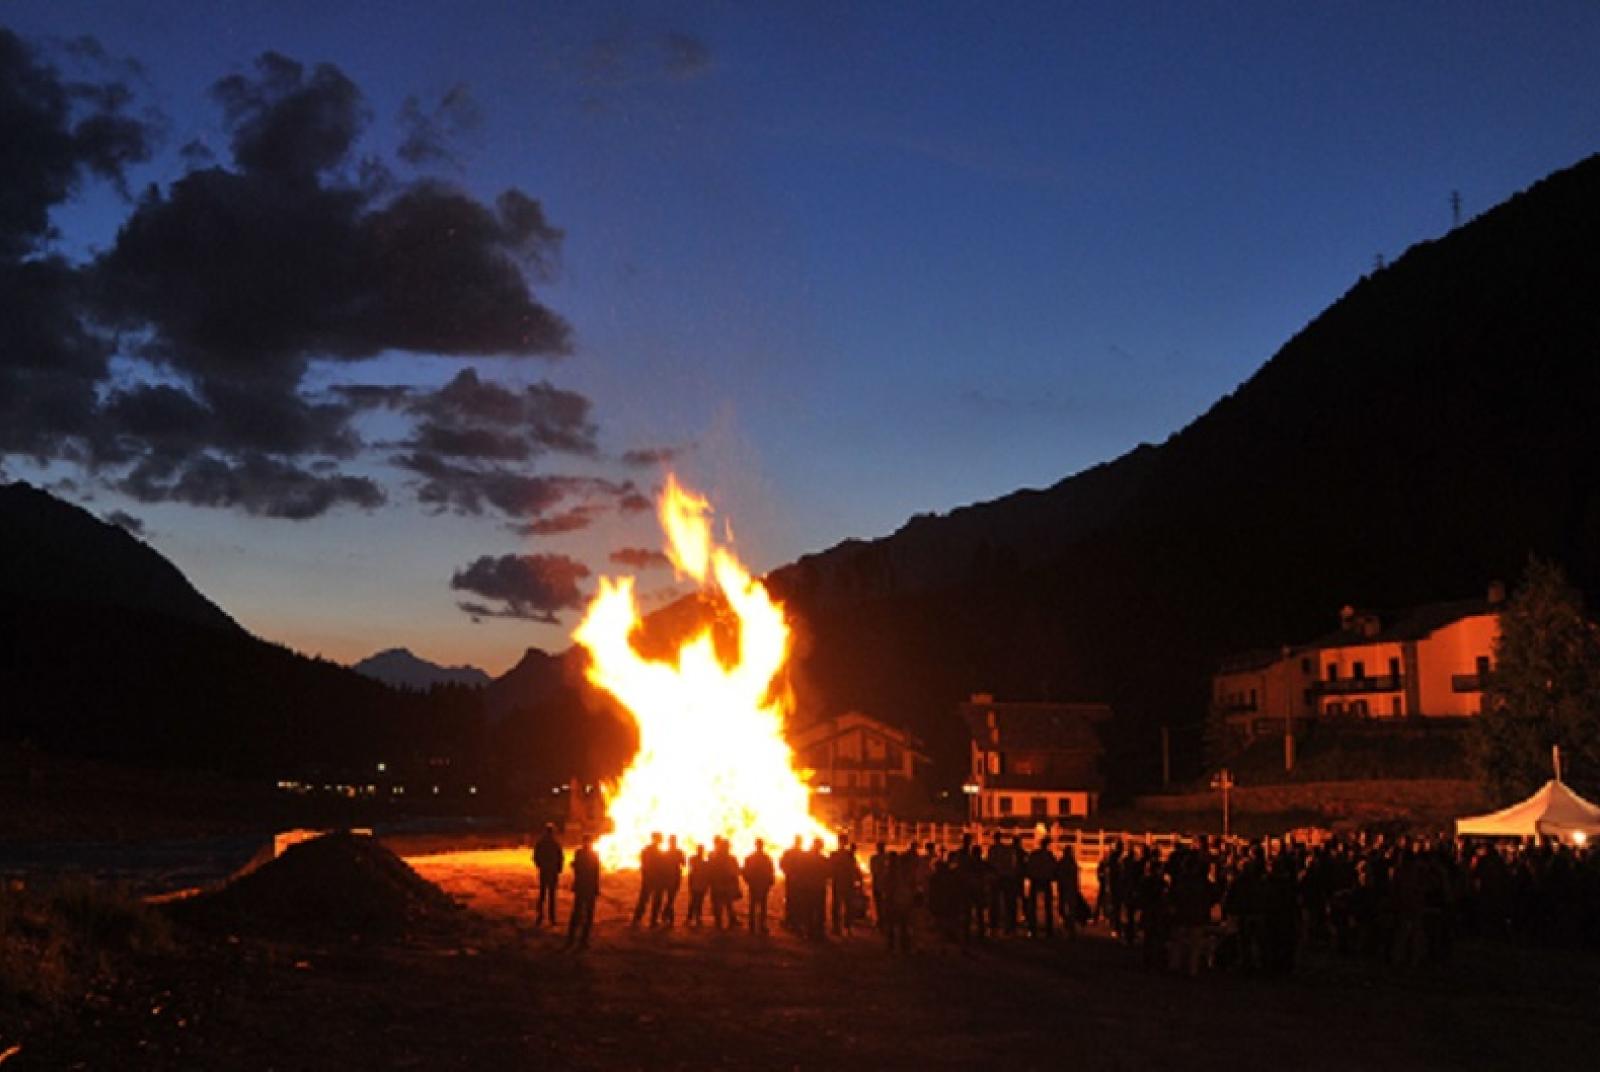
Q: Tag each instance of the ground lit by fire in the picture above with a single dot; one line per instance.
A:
(712, 758)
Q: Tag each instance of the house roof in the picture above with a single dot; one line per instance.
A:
(1035, 725)
(1413, 624)
(829, 728)
(1410, 625)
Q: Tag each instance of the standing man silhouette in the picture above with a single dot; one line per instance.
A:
(585, 891)
(547, 859)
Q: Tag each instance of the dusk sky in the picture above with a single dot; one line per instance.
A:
(841, 263)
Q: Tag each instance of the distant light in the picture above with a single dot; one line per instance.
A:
(824, 789)
(382, 767)
(970, 789)
(1579, 837)
(435, 790)
(472, 789)
(556, 791)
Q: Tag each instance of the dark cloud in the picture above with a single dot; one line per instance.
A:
(639, 558)
(575, 519)
(474, 418)
(55, 133)
(644, 457)
(366, 396)
(532, 587)
(447, 485)
(229, 282)
(126, 521)
(255, 483)
(432, 134)
(286, 124)
(634, 502)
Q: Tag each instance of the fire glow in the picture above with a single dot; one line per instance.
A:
(712, 758)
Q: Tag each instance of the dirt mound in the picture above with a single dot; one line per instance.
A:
(336, 885)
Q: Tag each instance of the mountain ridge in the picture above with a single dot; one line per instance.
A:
(403, 668)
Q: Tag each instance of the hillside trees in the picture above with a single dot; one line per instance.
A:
(1545, 690)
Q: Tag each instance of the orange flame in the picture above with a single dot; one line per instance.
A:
(712, 759)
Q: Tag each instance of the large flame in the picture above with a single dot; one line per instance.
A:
(712, 759)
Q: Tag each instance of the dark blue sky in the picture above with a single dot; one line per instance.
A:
(861, 260)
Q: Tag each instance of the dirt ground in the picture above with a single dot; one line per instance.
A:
(495, 992)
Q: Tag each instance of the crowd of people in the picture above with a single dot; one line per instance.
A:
(1401, 900)
(1212, 903)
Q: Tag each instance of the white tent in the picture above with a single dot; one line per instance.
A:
(1554, 811)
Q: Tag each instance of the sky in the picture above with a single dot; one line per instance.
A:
(834, 264)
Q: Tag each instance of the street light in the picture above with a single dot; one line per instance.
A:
(1224, 781)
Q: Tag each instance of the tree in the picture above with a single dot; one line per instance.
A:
(1545, 690)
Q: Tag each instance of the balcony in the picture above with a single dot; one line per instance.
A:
(1347, 686)
(1468, 682)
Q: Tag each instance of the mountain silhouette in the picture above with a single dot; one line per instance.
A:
(109, 652)
(1419, 438)
(404, 670)
(51, 550)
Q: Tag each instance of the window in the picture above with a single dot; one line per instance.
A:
(1335, 708)
(1252, 699)
(1039, 807)
(1305, 665)
(1394, 668)
(1358, 669)
(1333, 671)
(1399, 705)
(994, 762)
(1063, 806)
(1005, 804)
(1358, 708)
(1483, 666)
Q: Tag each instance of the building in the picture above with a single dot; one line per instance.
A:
(1429, 663)
(860, 766)
(1033, 762)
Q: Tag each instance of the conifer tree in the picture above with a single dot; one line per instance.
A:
(1544, 691)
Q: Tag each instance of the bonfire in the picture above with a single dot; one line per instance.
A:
(712, 758)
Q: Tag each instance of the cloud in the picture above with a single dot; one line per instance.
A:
(223, 287)
(257, 484)
(640, 558)
(431, 134)
(531, 587)
(126, 521)
(537, 501)
(57, 134)
(474, 418)
(574, 520)
(643, 457)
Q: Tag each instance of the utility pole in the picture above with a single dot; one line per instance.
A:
(1224, 782)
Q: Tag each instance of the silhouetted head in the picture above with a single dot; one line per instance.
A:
(817, 845)
(760, 845)
(655, 839)
(672, 841)
(883, 846)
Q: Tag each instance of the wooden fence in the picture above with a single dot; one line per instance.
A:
(1088, 846)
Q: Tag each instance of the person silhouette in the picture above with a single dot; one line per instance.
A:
(547, 860)
(585, 891)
